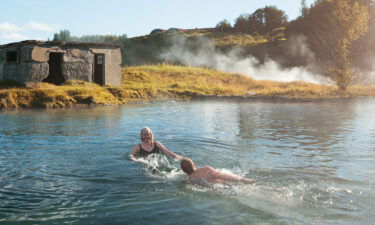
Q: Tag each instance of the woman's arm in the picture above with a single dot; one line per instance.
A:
(166, 151)
(134, 151)
(229, 177)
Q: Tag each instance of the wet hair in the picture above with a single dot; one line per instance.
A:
(187, 165)
(143, 130)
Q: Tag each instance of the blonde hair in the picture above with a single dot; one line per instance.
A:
(143, 130)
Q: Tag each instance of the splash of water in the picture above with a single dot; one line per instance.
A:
(158, 166)
(287, 197)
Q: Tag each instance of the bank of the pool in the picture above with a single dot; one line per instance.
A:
(159, 82)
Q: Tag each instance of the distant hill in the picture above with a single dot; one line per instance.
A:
(318, 41)
(149, 49)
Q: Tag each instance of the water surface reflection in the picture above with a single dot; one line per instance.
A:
(314, 163)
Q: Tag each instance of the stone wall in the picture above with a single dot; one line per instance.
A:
(77, 63)
(77, 71)
(25, 72)
(25, 54)
(1, 72)
(2, 62)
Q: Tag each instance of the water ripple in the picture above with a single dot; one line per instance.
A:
(314, 163)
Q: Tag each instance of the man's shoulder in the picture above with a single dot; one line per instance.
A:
(207, 168)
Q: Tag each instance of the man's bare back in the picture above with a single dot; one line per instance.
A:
(208, 174)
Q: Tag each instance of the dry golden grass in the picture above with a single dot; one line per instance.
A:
(295, 90)
(164, 81)
(363, 90)
(224, 39)
(50, 96)
(182, 80)
(201, 81)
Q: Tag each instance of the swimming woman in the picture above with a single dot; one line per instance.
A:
(148, 146)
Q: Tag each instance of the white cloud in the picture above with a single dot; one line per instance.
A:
(11, 32)
(39, 26)
(15, 36)
(8, 27)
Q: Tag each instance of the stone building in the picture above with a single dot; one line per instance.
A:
(56, 62)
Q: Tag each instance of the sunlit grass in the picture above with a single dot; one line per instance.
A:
(363, 90)
(295, 90)
(171, 80)
(224, 39)
(182, 79)
(50, 96)
(164, 81)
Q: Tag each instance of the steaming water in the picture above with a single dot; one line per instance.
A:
(314, 163)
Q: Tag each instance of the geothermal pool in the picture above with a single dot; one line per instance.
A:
(314, 163)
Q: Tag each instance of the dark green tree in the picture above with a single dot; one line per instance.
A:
(64, 35)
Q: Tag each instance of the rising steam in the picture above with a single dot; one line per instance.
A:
(202, 53)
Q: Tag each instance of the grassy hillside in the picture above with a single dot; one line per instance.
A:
(226, 39)
(189, 81)
(147, 49)
(160, 82)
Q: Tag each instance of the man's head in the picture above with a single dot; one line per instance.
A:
(187, 165)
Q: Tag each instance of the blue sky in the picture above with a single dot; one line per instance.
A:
(40, 19)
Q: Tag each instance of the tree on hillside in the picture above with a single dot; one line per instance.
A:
(274, 18)
(261, 21)
(224, 26)
(304, 9)
(335, 25)
(365, 45)
(266, 19)
(64, 35)
(241, 24)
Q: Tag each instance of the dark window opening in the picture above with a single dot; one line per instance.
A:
(12, 57)
(99, 62)
(55, 75)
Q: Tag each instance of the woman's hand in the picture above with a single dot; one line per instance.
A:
(166, 151)
(134, 152)
(178, 157)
